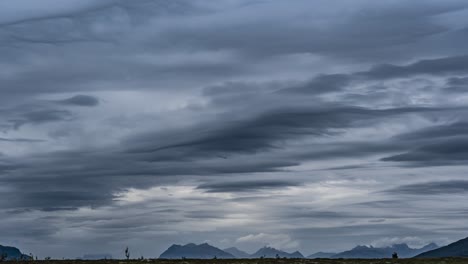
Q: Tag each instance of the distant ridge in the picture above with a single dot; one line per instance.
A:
(13, 253)
(193, 251)
(237, 253)
(369, 252)
(206, 251)
(269, 252)
(456, 249)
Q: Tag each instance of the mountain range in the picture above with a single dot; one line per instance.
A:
(269, 252)
(237, 253)
(12, 253)
(456, 249)
(206, 251)
(369, 252)
(193, 251)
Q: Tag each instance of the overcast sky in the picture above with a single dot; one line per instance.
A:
(303, 125)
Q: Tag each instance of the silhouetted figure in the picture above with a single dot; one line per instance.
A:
(394, 255)
(127, 253)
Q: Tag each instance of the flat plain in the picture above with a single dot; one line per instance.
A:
(258, 261)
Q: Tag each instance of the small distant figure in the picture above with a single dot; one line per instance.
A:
(127, 253)
(394, 255)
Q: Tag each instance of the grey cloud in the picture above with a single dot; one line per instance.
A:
(436, 145)
(451, 151)
(345, 38)
(457, 85)
(90, 183)
(435, 132)
(265, 130)
(80, 100)
(205, 214)
(338, 82)
(441, 66)
(458, 81)
(41, 116)
(384, 204)
(141, 162)
(314, 214)
(246, 186)
(323, 84)
(15, 12)
(21, 140)
(432, 188)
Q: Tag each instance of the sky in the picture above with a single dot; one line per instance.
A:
(301, 125)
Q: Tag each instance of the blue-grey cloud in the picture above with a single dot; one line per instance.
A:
(451, 151)
(440, 66)
(246, 186)
(21, 140)
(81, 100)
(40, 116)
(432, 188)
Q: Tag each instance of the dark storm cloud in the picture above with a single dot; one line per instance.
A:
(295, 213)
(65, 186)
(211, 150)
(34, 112)
(441, 66)
(435, 67)
(457, 85)
(437, 132)
(456, 81)
(262, 132)
(59, 199)
(436, 145)
(450, 151)
(387, 204)
(323, 84)
(246, 186)
(205, 214)
(40, 117)
(432, 188)
(80, 100)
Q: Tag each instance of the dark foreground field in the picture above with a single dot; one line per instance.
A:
(264, 261)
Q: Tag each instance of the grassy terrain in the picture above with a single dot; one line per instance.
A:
(262, 261)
